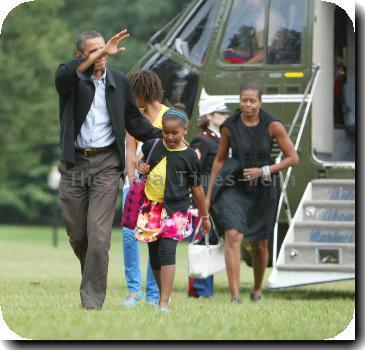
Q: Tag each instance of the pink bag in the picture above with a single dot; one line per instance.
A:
(133, 202)
(135, 197)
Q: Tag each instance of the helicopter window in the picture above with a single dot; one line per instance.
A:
(244, 38)
(193, 41)
(285, 36)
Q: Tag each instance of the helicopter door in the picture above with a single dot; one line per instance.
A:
(333, 112)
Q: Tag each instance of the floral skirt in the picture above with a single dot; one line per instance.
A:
(154, 222)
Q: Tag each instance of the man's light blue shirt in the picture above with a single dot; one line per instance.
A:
(97, 129)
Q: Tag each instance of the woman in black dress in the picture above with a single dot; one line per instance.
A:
(244, 189)
(212, 114)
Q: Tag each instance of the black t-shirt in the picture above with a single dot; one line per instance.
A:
(182, 172)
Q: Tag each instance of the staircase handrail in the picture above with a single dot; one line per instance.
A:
(307, 98)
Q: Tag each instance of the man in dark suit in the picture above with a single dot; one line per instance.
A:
(96, 108)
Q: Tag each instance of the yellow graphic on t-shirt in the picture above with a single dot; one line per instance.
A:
(155, 184)
(156, 179)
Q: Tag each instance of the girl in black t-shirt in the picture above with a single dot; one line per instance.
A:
(164, 219)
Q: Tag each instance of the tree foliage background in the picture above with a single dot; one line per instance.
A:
(35, 38)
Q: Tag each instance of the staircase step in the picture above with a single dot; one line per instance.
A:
(333, 189)
(326, 210)
(333, 182)
(319, 254)
(324, 232)
(323, 268)
(304, 245)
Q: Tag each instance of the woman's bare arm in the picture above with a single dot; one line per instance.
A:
(278, 132)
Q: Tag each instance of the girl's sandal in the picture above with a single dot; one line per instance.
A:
(255, 296)
(163, 309)
(236, 300)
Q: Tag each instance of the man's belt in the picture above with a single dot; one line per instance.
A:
(88, 152)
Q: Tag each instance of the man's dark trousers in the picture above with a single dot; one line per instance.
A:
(88, 196)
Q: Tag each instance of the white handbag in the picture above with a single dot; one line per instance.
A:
(205, 260)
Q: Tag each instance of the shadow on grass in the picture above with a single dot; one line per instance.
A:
(300, 294)
(286, 294)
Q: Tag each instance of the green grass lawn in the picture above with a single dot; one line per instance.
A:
(39, 297)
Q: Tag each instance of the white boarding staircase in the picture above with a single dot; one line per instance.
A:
(320, 243)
